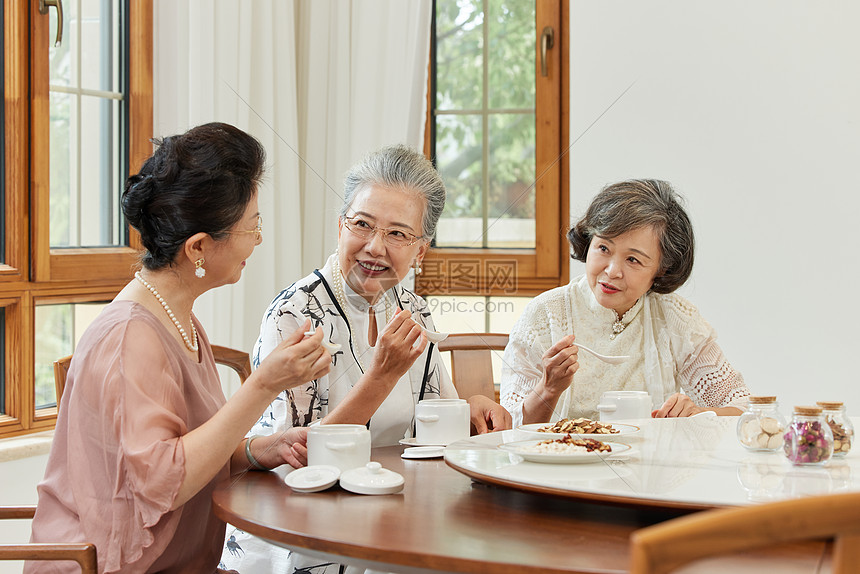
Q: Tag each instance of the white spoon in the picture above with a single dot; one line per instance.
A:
(433, 336)
(612, 360)
(332, 348)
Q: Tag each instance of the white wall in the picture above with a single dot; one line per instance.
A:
(752, 111)
(19, 479)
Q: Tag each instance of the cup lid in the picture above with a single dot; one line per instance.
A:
(313, 478)
(371, 479)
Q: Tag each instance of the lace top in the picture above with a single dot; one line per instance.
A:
(672, 348)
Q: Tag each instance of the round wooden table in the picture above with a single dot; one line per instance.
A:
(442, 521)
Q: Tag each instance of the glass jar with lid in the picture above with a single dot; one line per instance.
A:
(808, 438)
(761, 425)
(840, 426)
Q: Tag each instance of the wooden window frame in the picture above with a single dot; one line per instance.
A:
(33, 273)
(548, 264)
(101, 263)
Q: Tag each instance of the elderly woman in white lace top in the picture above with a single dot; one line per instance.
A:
(637, 245)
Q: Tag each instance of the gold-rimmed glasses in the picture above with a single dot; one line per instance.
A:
(391, 236)
(257, 231)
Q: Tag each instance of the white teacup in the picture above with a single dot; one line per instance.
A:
(343, 446)
(441, 421)
(621, 405)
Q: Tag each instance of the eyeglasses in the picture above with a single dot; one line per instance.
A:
(391, 236)
(257, 231)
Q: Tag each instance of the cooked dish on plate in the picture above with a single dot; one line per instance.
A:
(579, 426)
(568, 444)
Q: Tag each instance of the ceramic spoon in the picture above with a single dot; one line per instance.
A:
(612, 360)
(332, 348)
(433, 336)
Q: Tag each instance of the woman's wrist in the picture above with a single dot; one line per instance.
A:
(547, 393)
(540, 404)
(379, 377)
(256, 385)
(252, 459)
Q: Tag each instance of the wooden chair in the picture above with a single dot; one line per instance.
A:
(665, 547)
(82, 553)
(237, 360)
(471, 362)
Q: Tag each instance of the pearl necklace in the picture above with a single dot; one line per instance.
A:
(190, 343)
(340, 295)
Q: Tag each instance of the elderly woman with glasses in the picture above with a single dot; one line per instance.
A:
(385, 365)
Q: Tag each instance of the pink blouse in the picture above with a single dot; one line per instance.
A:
(116, 463)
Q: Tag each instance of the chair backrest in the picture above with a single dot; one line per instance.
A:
(471, 362)
(61, 369)
(82, 553)
(667, 546)
(237, 360)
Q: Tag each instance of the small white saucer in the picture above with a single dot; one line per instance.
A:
(414, 442)
(313, 478)
(423, 452)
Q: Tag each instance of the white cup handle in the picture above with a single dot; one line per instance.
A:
(607, 408)
(427, 418)
(339, 445)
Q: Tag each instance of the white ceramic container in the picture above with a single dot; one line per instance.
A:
(441, 421)
(623, 405)
(343, 446)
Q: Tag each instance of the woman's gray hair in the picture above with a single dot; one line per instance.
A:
(399, 167)
(637, 203)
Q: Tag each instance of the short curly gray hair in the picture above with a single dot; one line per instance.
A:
(399, 167)
(637, 203)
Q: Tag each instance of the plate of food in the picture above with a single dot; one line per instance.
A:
(580, 426)
(566, 450)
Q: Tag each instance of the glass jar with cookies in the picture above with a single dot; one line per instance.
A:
(840, 425)
(761, 426)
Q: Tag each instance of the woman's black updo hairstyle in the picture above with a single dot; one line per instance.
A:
(637, 203)
(199, 181)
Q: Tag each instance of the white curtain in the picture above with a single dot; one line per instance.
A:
(320, 83)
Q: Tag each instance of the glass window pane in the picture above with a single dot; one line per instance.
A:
(63, 170)
(486, 153)
(87, 127)
(459, 152)
(459, 54)
(512, 175)
(458, 314)
(63, 65)
(100, 45)
(99, 211)
(58, 329)
(512, 37)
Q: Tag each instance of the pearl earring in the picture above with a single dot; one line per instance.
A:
(198, 268)
(416, 265)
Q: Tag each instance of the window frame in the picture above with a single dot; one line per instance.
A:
(102, 263)
(32, 273)
(547, 265)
